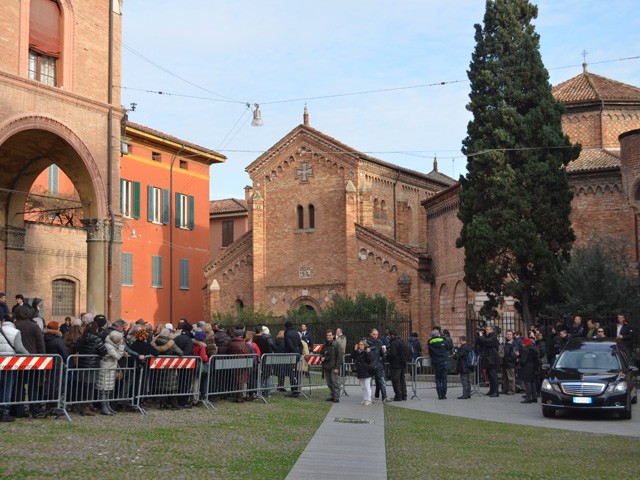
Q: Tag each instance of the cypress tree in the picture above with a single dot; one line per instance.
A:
(515, 199)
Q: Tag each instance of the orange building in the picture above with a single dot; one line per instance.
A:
(165, 229)
(164, 202)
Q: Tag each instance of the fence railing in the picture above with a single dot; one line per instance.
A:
(176, 382)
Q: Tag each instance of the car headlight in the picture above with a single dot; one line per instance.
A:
(546, 385)
(619, 387)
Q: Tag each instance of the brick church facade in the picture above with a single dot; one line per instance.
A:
(604, 116)
(327, 220)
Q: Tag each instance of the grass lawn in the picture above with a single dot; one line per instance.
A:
(252, 440)
(426, 445)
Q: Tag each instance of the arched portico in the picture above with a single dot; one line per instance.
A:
(29, 145)
(306, 302)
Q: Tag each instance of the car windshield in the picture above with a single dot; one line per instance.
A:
(604, 361)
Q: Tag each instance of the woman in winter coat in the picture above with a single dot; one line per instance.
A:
(363, 365)
(54, 345)
(108, 368)
(238, 346)
(529, 361)
(10, 344)
(166, 381)
(91, 349)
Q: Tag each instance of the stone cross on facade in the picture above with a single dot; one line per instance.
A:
(304, 172)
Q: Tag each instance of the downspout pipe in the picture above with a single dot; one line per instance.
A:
(171, 227)
(395, 208)
(110, 164)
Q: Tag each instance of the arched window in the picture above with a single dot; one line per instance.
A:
(300, 217)
(376, 209)
(312, 216)
(45, 43)
(383, 210)
(637, 195)
(63, 298)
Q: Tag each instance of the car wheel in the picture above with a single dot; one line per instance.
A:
(634, 399)
(626, 413)
(548, 412)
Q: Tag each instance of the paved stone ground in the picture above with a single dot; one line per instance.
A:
(357, 451)
(346, 450)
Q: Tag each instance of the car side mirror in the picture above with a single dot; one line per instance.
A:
(546, 366)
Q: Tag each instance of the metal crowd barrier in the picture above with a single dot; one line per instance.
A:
(237, 375)
(84, 385)
(312, 375)
(171, 379)
(280, 371)
(423, 376)
(31, 380)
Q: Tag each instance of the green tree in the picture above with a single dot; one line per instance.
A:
(599, 281)
(364, 306)
(515, 199)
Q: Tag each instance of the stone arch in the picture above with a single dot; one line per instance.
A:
(42, 141)
(305, 301)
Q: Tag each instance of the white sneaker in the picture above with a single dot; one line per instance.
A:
(363, 403)
(367, 403)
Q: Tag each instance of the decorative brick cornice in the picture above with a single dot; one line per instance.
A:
(588, 183)
(242, 247)
(384, 246)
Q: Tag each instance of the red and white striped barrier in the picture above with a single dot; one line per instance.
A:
(162, 363)
(26, 363)
(315, 358)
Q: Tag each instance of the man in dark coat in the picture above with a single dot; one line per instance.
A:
(4, 308)
(292, 344)
(332, 357)
(185, 376)
(622, 331)
(488, 344)
(398, 366)
(33, 341)
(462, 353)
(509, 364)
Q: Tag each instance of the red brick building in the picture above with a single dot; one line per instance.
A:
(228, 220)
(327, 220)
(604, 116)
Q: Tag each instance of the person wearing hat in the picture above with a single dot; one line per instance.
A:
(529, 361)
(4, 308)
(185, 376)
(10, 344)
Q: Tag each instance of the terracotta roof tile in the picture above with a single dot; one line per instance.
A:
(588, 87)
(227, 205)
(173, 139)
(590, 160)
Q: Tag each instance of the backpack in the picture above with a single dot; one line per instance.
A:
(405, 352)
(472, 360)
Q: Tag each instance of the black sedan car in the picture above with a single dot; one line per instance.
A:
(590, 374)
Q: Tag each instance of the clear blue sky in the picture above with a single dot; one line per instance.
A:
(202, 51)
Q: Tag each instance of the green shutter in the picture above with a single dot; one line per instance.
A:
(178, 209)
(165, 206)
(150, 203)
(191, 212)
(184, 274)
(127, 268)
(121, 197)
(136, 200)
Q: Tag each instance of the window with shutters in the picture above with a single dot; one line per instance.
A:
(184, 274)
(63, 299)
(156, 271)
(130, 199)
(45, 41)
(127, 269)
(185, 211)
(157, 205)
